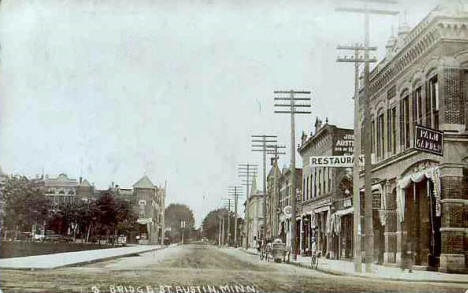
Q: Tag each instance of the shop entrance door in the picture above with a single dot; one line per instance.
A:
(421, 224)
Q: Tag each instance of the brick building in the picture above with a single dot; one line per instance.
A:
(150, 207)
(284, 197)
(326, 201)
(273, 201)
(421, 199)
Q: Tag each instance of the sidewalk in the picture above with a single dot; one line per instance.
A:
(57, 260)
(346, 268)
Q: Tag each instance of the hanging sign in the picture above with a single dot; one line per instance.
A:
(429, 140)
(334, 161)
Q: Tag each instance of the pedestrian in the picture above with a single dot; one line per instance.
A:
(408, 257)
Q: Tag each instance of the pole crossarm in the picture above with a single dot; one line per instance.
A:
(296, 105)
(294, 92)
(293, 112)
(358, 60)
(289, 99)
(366, 10)
(358, 47)
(380, 1)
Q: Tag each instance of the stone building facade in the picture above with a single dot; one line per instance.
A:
(254, 216)
(421, 199)
(326, 207)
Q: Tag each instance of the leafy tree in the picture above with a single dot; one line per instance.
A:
(126, 218)
(176, 213)
(211, 224)
(25, 204)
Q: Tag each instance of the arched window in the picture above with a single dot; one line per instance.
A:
(432, 103)
(380, 134)
(404, 120)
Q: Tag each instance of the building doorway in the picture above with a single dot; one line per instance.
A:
(421, 224)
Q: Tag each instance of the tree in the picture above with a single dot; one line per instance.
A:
(176, 213)
(25, 204)
(211, 224)
(126, 218)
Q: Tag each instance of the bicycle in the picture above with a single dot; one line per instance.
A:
(314, 259)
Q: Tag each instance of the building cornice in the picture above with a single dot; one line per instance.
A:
(429, 32)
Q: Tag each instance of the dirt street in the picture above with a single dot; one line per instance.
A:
(199, 269)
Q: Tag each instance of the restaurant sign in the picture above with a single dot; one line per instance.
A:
(429, 140)
(334, 161)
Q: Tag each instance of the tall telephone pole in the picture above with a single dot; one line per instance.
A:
(266, 143)
(357, 59)
(368, 219)
(246, 172)
(289, 103)
(235, 192)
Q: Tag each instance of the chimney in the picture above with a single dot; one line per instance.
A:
(81, 179)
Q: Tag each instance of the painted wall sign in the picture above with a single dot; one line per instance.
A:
(344, 145)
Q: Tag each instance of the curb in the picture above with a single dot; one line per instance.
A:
(83, 262)
(338, 273)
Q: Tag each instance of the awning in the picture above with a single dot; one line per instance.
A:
(379, 187)
(322, 209)
(345, 211)
(430, 173)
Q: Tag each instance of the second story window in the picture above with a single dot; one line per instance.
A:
(373, 136)
(380, 136)
(404, 123)
(432, 104)
(417, 107)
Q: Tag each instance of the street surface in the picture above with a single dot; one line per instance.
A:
(199, 268)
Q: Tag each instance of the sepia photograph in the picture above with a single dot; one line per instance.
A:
(233, 146)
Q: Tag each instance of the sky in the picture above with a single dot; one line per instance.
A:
(114, 90)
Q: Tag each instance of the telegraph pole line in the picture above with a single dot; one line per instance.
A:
(235, 191)
(247, 172)
(266, 143)
(368, 219)
(357, 59)
(289, 103)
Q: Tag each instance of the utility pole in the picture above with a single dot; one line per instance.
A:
(247, 172)
(219, 231)
(275, 198)
(368, 219)
(182, 225)
(357, 59)
(229, 221)
(235, 192)
(292, 108)
(266, 143)
(223, 235)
